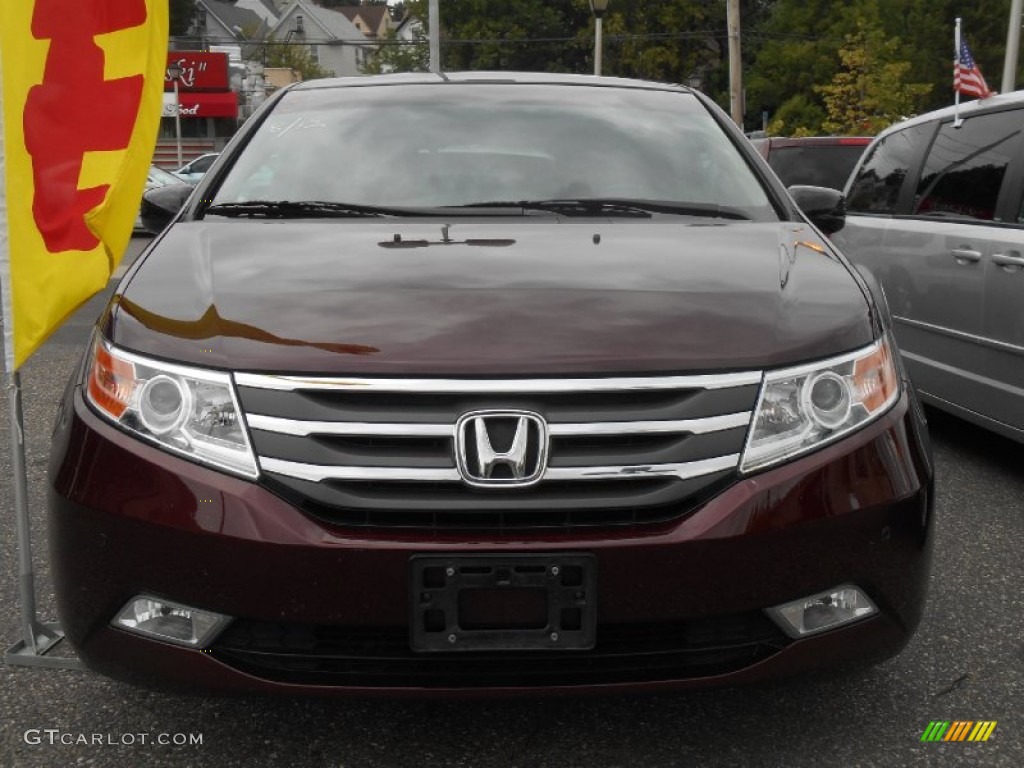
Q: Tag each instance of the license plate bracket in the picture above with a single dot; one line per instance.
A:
(498, 602)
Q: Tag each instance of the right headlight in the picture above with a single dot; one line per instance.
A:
(802, 408)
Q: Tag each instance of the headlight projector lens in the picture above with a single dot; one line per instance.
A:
(828, 398)
(164, 404)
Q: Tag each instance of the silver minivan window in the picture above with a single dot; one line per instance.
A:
(965, 167)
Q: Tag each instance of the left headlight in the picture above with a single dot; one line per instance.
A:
(800, 409)
(186, 410)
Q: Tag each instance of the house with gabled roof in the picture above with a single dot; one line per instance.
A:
(218, 22)
(374, 21)
(265, 9)
(335, 43)
(410, 29)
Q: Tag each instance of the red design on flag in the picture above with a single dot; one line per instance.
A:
(967, 77)
(74, 111)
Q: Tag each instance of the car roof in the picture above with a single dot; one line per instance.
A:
(966, 109)
(525, 78)
(199, 157)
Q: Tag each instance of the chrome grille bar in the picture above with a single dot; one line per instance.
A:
(318, 473)
(305, 428)
(354, 428)
(683, 471)
(503, 386)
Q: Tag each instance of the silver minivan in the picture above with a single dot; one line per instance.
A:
(935, 214)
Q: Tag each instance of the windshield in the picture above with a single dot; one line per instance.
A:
(432, 146)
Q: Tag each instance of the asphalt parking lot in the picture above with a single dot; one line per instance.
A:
(965, 663)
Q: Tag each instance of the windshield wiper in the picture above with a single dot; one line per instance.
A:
(596, 206)
(568, 207)
(299, 209)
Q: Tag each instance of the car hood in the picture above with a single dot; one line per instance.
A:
(496, 296)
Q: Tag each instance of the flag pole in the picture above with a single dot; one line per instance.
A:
(957, 122)
(36, 637)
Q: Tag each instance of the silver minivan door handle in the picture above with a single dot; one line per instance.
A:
(1010, 262)
(965, 255)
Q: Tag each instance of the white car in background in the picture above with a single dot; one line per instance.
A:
(194, 170)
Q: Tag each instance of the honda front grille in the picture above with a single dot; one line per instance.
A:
(556, 452)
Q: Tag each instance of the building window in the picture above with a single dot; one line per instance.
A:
(191, 128)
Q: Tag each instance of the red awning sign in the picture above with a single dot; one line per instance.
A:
(200, 71)
(224, 104)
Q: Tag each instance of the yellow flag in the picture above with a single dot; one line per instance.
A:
(81, 88)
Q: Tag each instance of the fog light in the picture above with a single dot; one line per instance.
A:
(826, 610)
(171, 622)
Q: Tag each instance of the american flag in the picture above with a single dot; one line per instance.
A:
(967, 77)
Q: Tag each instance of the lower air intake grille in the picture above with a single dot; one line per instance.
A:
(381, 658)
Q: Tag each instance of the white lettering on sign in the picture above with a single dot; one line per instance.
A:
(183, 110)
(188, 72)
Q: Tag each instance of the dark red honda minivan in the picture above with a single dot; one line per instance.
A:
(489, 383)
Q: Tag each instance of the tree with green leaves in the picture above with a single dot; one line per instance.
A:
(523, 35)
(791, 48)
(394, 55)
(667, 40)
(662, 40)
(797, 48)
(926, 28)
(870, 91)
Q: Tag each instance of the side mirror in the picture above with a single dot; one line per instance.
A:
(825, 207)
(161, 205)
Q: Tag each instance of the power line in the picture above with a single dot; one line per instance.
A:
(700, 33)
(615, 38)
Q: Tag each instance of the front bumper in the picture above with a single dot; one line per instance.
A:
(325, 609)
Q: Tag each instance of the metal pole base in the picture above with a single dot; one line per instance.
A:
(46, 637)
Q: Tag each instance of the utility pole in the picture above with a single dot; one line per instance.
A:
(1012, 48)
(434, 23)
(735, 63)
